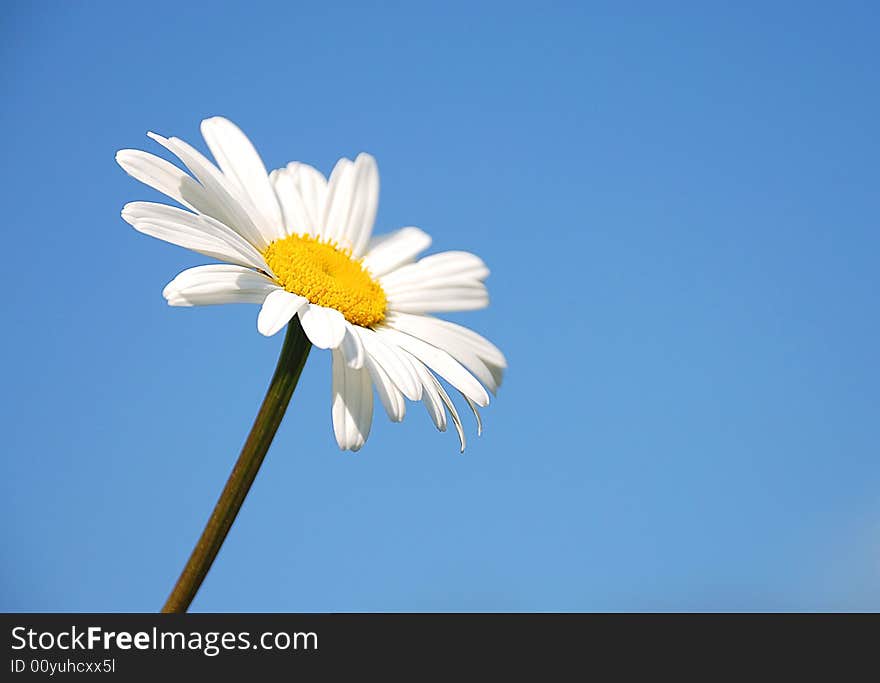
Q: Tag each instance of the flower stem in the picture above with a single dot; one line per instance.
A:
(290, 364)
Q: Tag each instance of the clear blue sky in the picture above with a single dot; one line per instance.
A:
(680, 209)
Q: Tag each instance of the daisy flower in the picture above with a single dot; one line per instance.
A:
(300, 244)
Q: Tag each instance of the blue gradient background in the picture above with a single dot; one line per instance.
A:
(680, 208)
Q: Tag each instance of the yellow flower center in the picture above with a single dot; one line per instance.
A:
(328, 276)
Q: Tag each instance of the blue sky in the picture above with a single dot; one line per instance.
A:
(680, 209)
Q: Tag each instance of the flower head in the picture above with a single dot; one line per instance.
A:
(301, 245)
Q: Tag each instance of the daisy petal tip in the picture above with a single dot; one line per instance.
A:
(129, 215)
(350, 445)
(266, 331)
(217, 122)
(267, 323)
(423, 238)
(173, 298)
(267, 327)
(366, 158)
(210, 120)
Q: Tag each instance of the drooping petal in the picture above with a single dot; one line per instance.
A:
(278, 308)
(462, 348)
(440, 362)
(476, 412)
(325, 327)
(242, 165)
(217, 284)
(408, 363)
(430, 396)
(389, 394)
(387, 252)
(394, 363)
(352, 347)
(453, 412)
(352, 407)
(450, 406)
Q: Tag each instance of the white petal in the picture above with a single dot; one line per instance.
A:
(340, 190)
(313, 190)
(352, 199)
(440, 362)
(242, 165)
(217, 284)
(171, 181)
(484, 348)
(430, 396)
(467, 297)
(473, 407)
(450, 406)
(297, 219)
(278, 308)
(396, 365)
(408, 364)
(352, 347)
(457, 346)
(389, 394)
(462, 263)
(352, 407)
(443, 269)
(199, 233)
(365, 201)
(237, 213)
(325, 327)
(387, 252)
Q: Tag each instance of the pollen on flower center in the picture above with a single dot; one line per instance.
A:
(328, 276)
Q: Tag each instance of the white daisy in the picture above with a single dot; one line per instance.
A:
(300, 244)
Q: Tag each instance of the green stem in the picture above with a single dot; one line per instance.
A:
(290, 364)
